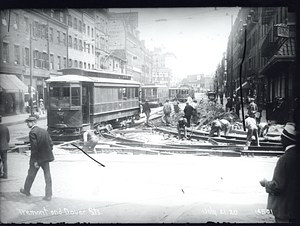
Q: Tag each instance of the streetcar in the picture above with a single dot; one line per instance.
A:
(155, 94)
(77, 102)
(173, 93)
(184, 91)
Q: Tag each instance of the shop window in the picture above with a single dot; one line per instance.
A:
(26, 61)
(5, 52)
(51, 61)
(17, 55)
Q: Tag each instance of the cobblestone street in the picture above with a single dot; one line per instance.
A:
(139, 189)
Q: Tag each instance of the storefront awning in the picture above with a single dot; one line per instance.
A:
(12, 84)
(245, 85)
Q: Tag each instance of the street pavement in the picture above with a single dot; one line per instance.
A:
(19, 119)
(139, 189)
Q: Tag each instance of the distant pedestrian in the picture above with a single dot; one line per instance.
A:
(147, 111)
(283, 188)
(90, 140)
(195, 113)
(167, 109)
(176, 105)
(238, 106)
(41, 107)
(252, 108)
(41, 156)
(219, 125)
(188, 112)
(221, 97)
(250, 124)
(229, 104)
(4, 147)
(182, 126)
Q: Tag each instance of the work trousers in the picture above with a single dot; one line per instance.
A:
(250, 133)
(147, 113)
(188, 118)
(4, 163)
(32, 171)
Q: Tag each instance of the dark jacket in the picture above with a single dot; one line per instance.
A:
(146, 108)
(283, 187)
(4, 138)
(188, 110)
(41, 145)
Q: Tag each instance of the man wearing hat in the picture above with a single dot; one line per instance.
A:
(41, 154)
(4, 147)
(282, 189)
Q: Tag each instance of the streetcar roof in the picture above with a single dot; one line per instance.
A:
(154, 86)
(78, 78)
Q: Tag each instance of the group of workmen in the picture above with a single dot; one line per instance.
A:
(252, 124)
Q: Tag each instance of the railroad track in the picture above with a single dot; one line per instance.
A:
(222, 146)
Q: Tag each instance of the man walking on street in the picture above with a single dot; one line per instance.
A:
(41, 154)
(4, 147)
(283, 188)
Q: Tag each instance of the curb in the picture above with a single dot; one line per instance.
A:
(19, 121)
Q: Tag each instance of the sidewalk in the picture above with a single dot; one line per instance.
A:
(20, 118)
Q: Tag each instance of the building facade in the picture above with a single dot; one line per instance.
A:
(261, 56)
(32, 50)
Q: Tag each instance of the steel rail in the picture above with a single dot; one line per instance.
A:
(218, 139)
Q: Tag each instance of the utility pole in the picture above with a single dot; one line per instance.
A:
(241, 88)
(231, 76)
(30, 88)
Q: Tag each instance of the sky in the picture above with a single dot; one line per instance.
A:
(196, 36)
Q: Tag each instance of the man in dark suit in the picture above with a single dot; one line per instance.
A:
(4, 147)
(41, 154)
(283, 188)
(188, 111)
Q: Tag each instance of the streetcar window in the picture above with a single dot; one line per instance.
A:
(155, 92)
(136, 93)
(60, 97)
(120, 94)
(124, 94)
(75, 91)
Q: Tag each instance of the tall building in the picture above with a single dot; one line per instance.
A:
(124, 42)
(34, 47)
(162, 67)
(261, 51)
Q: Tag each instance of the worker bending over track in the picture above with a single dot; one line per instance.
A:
(219, 125)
